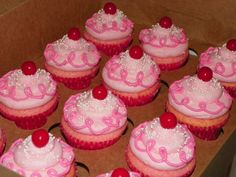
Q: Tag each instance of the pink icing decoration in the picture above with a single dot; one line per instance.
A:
(213, 107)
(9, 91)
(170, 38)
(57, 170)
(145, 145)
(131, 173)
(66, 53)
(124, 24)
(221, 60)
(109, 121)
(114, 65)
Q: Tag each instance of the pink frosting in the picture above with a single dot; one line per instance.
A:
(222, 62)
(91, 116)
(162, 42)
(199, 99)
(53, 160)
(72, 55)
(109, 27)
(126, 74)
(131, 174)
(160, 148)
(19, 91)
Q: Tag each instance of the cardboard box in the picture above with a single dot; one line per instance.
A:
(28, 25)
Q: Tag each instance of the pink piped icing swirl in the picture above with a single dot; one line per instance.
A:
(160, 148)
(131, 174)
(53, 160)
(91, 116)
(199, 99)
(21, 91)
(164, 42)
(72, 55)
(109, 26)
(126, 74)
(222, 61)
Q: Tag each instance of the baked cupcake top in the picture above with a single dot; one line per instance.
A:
(95, 112)
(27, 87)
(120, 172)
(39, 155)
(222, 61)
(131, 71)
(162, 143)
(200, 96)
(164, 39)
(72, 53)
(109, 23)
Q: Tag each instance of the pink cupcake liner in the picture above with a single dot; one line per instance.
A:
(231, 91)
(77, 143)
(136, 101)
(172, 66)
(133, 168)
(76, 83)
(31, 122)
(111, 48)
(3, 140)
(207, 133)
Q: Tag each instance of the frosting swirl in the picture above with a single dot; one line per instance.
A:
(89, 115)
(109, 26)
(24, 158)
(130, 75)
(72, 55)
(164, 42)
(199, 99)
(222, 61)
(21, 91)
(161, 148)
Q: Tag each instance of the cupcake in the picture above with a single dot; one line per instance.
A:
(109, 29)
(132, 76)
(93, 119)
(27, 96)
(222, 61)
(120, 172)
(200, 102)
(40, 154)
(162, 148)
(166, 44)
(72, 60)
(2, 141)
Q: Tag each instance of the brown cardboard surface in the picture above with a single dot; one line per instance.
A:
(27, 28)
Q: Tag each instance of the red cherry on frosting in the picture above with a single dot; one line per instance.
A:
(231, 44)
(109, 8)
(136, 52)
(40, 138)
(28, 68)
(205, 74)
(165, 22)
(120, 172)
(99, 92)
(168, 120)
(74, 34)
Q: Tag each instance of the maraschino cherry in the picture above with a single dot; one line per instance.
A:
(136, 52)
(74, 34)
(168, 120)
(109, 8)
(40, 138)
(231, 44)
(205, 74)
(28, 68)
(165, 22)
(99, 92)
(120, 172)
